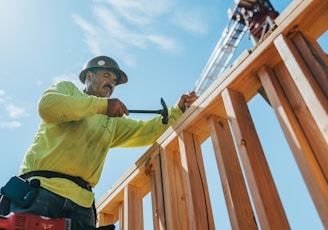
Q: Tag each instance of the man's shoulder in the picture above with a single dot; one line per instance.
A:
(65, 85)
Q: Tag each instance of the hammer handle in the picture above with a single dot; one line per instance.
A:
(145, 111)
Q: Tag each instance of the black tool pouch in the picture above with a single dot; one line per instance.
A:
(4, 205)
(21, 192)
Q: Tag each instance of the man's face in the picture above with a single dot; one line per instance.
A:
(100, 83)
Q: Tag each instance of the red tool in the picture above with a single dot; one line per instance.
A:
(25, 221)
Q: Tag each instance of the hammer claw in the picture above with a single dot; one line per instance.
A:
(164, 112)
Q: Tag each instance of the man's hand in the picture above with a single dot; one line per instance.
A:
(186, 100)
(116, 108)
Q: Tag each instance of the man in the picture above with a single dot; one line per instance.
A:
(75, 134)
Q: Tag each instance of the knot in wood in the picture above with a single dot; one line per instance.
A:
(243, 142)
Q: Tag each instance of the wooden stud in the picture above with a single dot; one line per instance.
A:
(232, 179)
(315, 58)
(303, 154)
(133, 210)
(306, 97)
(176, 210)
(266, 200)
(197, 195)
(304, 116)
(121, 216)
(157, 196)
(308, 16)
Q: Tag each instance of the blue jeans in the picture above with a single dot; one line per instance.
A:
(49, 204)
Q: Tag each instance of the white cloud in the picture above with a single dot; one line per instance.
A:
(2, 94)
(163, 42)
(192, 20)
(141, 12)
(83, 24)
(123, 35)
(118, 26)
(11, 124)
(93, 45)
(14, 111)
(116, 30)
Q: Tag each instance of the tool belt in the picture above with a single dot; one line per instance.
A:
(23, 192)
(50, 174)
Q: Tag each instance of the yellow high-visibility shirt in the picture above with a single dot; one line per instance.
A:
(75, 135)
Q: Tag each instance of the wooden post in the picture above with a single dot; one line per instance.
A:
(306, 98)
(266, 200)
(233, 184)
(157, 195)
(196, 188)
(315, 58)
(176, 210)
(302, 151)
(121, 215)
(133, 210)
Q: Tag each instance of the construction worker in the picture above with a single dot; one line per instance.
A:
(76, 132)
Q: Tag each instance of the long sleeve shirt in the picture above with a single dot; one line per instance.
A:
(75, 135)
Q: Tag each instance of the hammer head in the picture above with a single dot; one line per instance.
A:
(165, 112)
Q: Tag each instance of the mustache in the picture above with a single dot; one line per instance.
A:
(108, 86)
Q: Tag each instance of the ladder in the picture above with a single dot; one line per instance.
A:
(221, 55)
(254, 15)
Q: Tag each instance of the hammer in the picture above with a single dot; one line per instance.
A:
(164, 112)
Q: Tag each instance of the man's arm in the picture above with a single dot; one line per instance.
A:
(64, 102)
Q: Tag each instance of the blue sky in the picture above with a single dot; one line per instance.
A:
(162, 45)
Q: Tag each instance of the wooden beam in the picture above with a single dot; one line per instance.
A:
(307, 16)
(232, 179)
(157, 195)
(266, 200)
(137, 175)
(307, 86)
(306, 98)
(195, 183)
(121, 215)
(133, 210)
(315, 59)
(303, 154)
(176, 210)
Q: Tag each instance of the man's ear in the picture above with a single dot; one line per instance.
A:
(88, 76)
